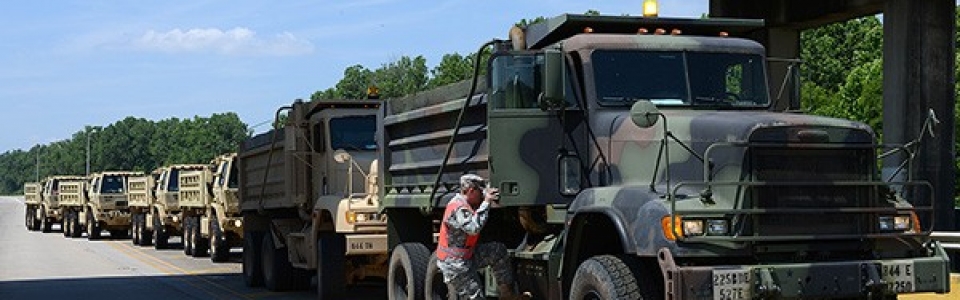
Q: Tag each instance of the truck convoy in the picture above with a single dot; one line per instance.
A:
(211, 209)
(43, 209)
(642, 157)
(303, 200)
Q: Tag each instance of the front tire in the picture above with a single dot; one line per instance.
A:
(45, 225)
(93, 229)
(407, 270)
(200, 244)
(188, 226)
(614, 277)
(331, 280)
(219, 248)
(277, 271)
(159, 235)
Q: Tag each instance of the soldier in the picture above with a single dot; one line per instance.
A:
(458, 254)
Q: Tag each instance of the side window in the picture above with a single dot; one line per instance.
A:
(515, 81)
(319, 135)
(223, 173)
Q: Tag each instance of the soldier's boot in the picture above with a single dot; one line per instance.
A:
(507, 293)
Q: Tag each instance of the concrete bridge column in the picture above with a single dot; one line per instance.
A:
(918, 75)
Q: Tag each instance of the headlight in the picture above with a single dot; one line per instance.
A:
(902, 223)
(351, 217)
(238, 223)
(717, 227)
(692, 227)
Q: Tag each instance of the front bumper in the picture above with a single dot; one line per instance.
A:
(115, 217)
(807, 280)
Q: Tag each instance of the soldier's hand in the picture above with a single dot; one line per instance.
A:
(492, 195)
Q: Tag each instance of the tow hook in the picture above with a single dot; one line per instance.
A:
(768, 289)
(872, 282)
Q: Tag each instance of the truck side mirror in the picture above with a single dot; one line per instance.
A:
(644, 114)
(554, 71)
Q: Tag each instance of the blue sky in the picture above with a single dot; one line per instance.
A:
(67, 64)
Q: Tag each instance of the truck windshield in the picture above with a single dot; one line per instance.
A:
(112, 184)
(353, 133)
(673, 78)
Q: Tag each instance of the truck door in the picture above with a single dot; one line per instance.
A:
(525, 141)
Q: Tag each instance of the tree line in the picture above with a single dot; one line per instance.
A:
(129, 144)
(841, 77)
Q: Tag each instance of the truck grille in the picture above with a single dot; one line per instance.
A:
(821, 168)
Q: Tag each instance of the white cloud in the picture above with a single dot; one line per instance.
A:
(236, 41)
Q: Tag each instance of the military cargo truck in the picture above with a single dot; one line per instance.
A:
(303, 200)
(141, 198)
(32, 201)
(211, 209)
(165, 218)
(50, 210)
(641, 157)
(73, 201)
(107, 205)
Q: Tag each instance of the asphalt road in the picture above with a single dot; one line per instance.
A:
(36, 265)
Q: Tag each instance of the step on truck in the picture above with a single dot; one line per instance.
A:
(642, 157)
(165, 218)
(211, 208)
(141, 196)
(107, 207)
(51, 210)
(32, 202)
(306, 212)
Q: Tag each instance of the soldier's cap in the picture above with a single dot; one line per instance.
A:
(472, 180)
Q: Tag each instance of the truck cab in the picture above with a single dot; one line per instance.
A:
(108, 205)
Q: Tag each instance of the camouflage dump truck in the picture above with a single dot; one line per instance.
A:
(141, 198)
(303, 200)
(642, 158)
(107, 205)
(211, 209)
(50, 209)
(165, 218)
(32, 201)
(73, 201)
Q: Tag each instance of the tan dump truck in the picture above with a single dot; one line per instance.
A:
(32, 201)
(303, 199)
(211, 209)
(50, 210)
(141, 196)
(165, 219)
(107, 204)
(73, 201)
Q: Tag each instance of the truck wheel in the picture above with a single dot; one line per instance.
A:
(219, 248)
(252, 269)
(34, 220)
(331, 275)
(435, 288)
(66, 224)
(200, 244)
(76, 229)
(277, 271)
(28, 219)
(188, 236)
(407, 270)
(135, 229)
(159, 235)
(45, 225)
(146, 236)
(93, 229)
(613, 277)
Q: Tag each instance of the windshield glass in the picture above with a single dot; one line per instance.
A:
(679, 78)
(353, 133)
(112, 184)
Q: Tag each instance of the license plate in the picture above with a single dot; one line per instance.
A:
(361, 246)
(899, 276)
(731, 284)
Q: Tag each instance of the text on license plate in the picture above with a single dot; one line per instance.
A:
(731, 284)
(899, 276)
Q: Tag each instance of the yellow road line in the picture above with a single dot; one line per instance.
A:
(140, 255)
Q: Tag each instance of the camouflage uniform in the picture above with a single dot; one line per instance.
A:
(461, 274)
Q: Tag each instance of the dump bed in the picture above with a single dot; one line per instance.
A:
(268, 172)
(31, 193)
(195, 188)
(139, 191)
(73, 193)
(414, 135)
